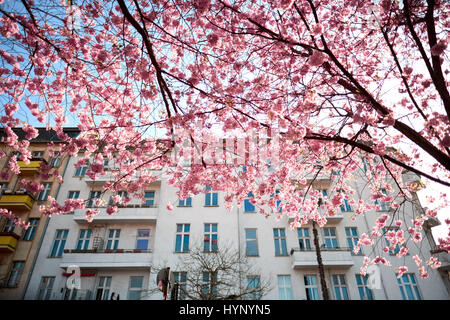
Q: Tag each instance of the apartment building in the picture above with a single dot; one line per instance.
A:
(18, 248)
(119, 255)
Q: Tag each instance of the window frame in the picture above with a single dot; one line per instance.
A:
(112, 239)
(247, 240)
(185, 203)
(140, 238)
(209, 236)
(352, 239)
(84, 240)
(248, 206)
(304, 240)
(45, 292)
(285, 288)
(280, 242)
(135, 289)
(45, 192)
(330, 238)
(104, 286)
(363, 288)
(311, 290)
(15, 274)
(340, 288)
(184, 236)
(31, 231)
(211, 197)
(59, 243)
(416, 292)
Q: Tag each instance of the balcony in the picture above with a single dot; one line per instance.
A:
(98, 259)
(101, 180)
(444, 258)
(335, 219)
(8, 242)
(129, 214)
(331, 257)
(31, 168)
(16, 201)
(110, 176)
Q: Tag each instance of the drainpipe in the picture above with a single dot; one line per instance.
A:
(239, 250)
(42, 237)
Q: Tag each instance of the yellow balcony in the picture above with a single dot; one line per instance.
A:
(31, 168)
(8, 241)
(16, 201)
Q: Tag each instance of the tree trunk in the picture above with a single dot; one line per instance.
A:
(323, 282)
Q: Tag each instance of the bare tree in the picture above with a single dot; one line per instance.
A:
(224, 274)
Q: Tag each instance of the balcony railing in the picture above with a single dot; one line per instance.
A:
(16, 200)
(131, 213)
(31, 168)
(337, 218)
(103, 258)
(8, 241)
(331, 257)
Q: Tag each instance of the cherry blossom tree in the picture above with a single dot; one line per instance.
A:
(319, 88)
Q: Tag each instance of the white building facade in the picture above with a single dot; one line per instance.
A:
(119, 255)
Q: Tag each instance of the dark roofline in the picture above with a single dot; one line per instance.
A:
(44, 135)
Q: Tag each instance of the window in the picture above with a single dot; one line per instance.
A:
(278, 202)
(329, 235)
(182, 238)
(55, 161)
(181, 279)
(43, 195)
(209, 287)
(149, 198)
(185, 203)
(248, 206)
(81, 171)
(103, 288)
(352, 238)
(384, 205)
(143, 239)
(29, 233)
(304, 240)
(211, 198)
(345, 207)
(83, 239)
(112, 242)
(15, 273)
(73, 195)
(38, 154)
(45, 288)
(135, 289)
(59, 243)
(408, 287)
(253, 288)
(70, 294)
(9, 226)
(279, 238)
(364, 292)
(284, 287)
(251, 243)
(365, 163)
(92, 196)
(311, 288)
(389, 232)
(340, 287)
(210, 237)
(3, 186)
